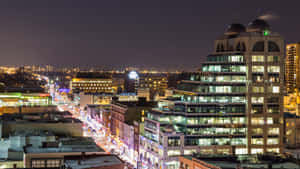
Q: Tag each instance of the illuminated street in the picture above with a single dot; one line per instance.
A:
(106, 141)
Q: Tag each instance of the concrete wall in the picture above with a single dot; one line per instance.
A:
(85, 99)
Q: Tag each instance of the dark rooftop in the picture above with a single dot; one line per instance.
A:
(39, 117)
(250, 161)
(92, 161)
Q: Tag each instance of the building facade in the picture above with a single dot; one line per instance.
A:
(292, 65)
(157, 83)
(234, 106)
(16, 99)
(92, 83)
(292, 78)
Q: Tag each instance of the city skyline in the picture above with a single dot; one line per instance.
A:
(236, 105)
(168, 34)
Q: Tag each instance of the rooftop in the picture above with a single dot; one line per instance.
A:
(91, 161)
(70, 144)
(250, 161)
(38, 117)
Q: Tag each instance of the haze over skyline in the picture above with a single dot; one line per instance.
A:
(162, 34)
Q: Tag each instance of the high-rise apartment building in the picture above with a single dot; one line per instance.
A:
(292, 67)
(234, 106)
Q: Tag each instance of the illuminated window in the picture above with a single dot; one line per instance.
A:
(274, 78)
(257, 120)
(257, 151)
(216, 68)
(237, 58)
(238, 78)
(257, 99)
(274, 69)
(257, 78)
(53, 163)
(273, 150)
(223, 151)
(258, 69)
(257, 141)
(173, 141)
(257, 109)
(273, 109)
(238, 120)
(269, 120)
(237, 68)
(189, 152)
(258, 58)
(238, 141)
(257, 131)
(273, 59)
(257, 89)
(38, 164)
(205, 142)
(206, 151)
(275, 89)
(223, 79)
(272, 141)
(241, 151)
(273, 131)
(173, 152)
(223, 89)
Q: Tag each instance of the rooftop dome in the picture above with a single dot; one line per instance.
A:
(258, 25)
(235, 28)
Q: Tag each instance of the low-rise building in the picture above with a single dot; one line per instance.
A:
(52, 153)
(93, 162)
(235, 162)
(89, 82)
(11, 148)
(27, 109)
(94, 98)
(291, 129)
(125, 119)
(127, 97)
(144, 93)
(16, 99)
(59, 123)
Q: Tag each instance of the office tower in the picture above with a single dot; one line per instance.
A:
(233, 106)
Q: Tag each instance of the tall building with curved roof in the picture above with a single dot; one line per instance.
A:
(233, 106)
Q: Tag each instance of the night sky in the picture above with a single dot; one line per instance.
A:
(115, 33)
